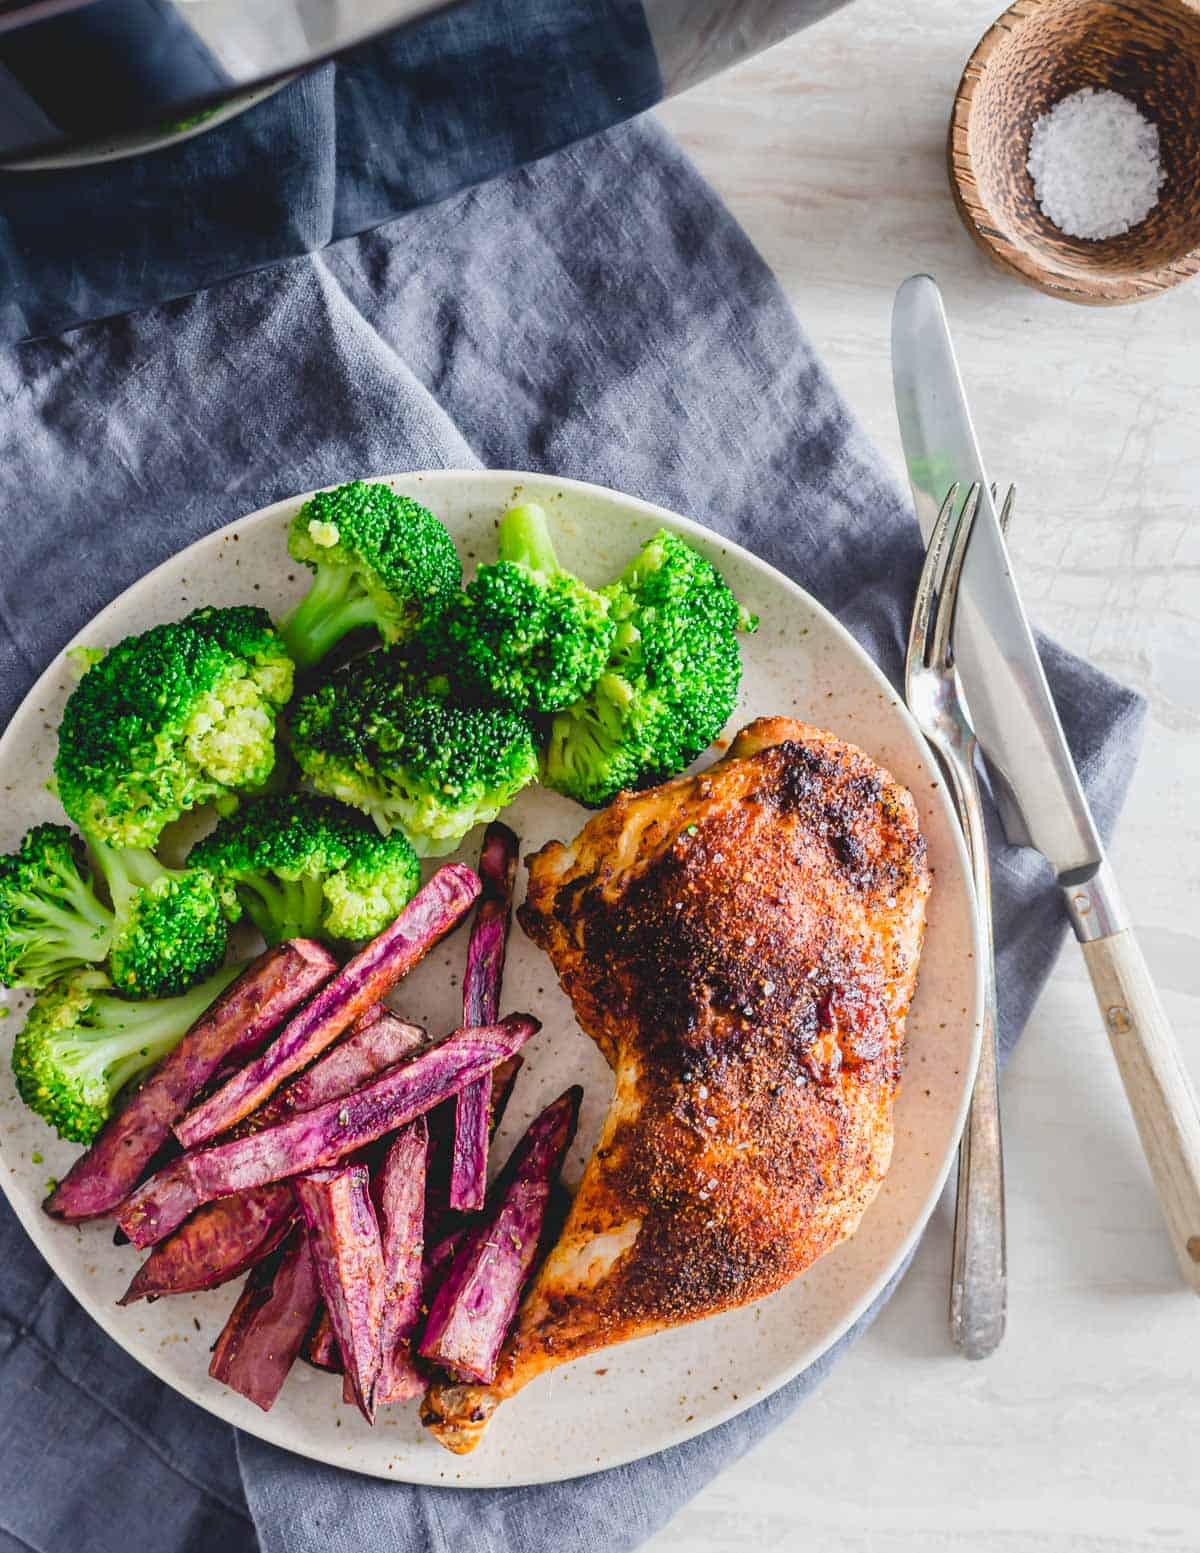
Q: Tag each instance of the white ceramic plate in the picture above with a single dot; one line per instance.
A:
(630, 1400)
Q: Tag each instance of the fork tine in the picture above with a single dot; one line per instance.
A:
(918, 631)
(941, 653)
(1006, 511)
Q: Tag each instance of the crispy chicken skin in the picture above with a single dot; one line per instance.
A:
(742, 945)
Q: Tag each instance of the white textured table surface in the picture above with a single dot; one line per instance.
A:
(1083, 1432)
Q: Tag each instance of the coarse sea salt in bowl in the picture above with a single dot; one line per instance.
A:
(1042, 80)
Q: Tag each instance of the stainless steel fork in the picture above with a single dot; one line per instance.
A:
(978, 1286)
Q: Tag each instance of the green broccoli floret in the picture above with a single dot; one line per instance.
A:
(307, 867)
(380, 559)
(169, 719)
(526, 633)
(669, 686)
(50, 919)
(164, 930)
(82, 1042)
(389, 739)
(171, 926)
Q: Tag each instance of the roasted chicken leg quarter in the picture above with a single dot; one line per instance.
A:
(742, 945)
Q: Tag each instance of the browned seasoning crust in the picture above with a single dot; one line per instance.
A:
(743, 947)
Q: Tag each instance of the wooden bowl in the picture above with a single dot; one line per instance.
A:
(1038, 52)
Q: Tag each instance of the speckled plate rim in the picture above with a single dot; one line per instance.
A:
(48, 1237)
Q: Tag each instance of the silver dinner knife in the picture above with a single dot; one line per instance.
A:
(1041, 802)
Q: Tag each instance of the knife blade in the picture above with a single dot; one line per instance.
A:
(1019, 731)
(1011, 705)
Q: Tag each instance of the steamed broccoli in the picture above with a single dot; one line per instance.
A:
(305, 867)
(380, 559)
(82, 1042)
(526, 633)
(387, 738)
(670, 683)
(163, 931)
(50, 919)
(169, 719)
(171, 926)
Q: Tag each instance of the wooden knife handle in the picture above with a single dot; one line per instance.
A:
(1160, 1092)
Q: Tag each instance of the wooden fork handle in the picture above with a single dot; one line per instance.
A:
(1156, 1082)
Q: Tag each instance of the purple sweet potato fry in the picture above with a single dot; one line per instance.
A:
(323, 1135)
(485, 950)
(216, 1244)
(439, 1218)
(268, 1325)
(370, 1048)
(162, 1203)
(362, 981)
(481, 1006)
(398, 1191)
(320, 1346)
(468, 1162)
(343, 1234)
(226, 1236)
(444, 1230)
(234, 1028)
(474, 1307)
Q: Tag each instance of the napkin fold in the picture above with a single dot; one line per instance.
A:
(600, 315)
(460, 95)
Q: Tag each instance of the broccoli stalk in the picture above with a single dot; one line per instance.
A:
(128, 871)
(171, 926)
(50, 919)
(378, 559)
(336, 604)
(524, 540)
(283, 908)
(525, 632)
(82, 1042)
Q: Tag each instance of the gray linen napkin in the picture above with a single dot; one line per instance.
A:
(599, 315)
